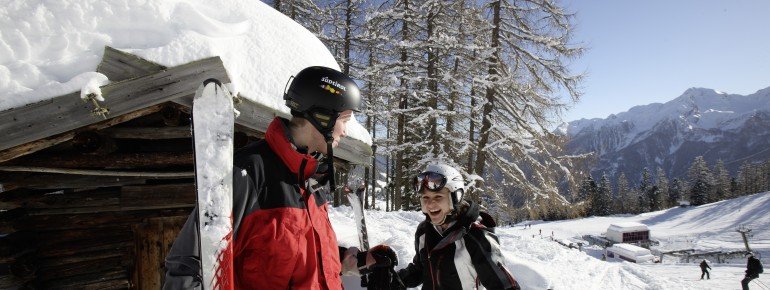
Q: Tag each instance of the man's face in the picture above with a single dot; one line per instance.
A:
(436, 204)
(340, 126)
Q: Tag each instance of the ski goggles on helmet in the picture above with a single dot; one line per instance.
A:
(431, 181)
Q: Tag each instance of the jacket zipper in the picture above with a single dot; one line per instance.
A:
(430, 269)
(305, 194)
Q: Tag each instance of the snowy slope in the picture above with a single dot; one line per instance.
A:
(539, 263)
(50, 48)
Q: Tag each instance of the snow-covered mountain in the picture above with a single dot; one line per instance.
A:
(701, 121)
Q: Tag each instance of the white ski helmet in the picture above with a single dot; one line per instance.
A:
(453, 181)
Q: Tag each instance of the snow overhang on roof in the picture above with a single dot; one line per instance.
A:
(632, 248)
(143, 86)
(48, 49)
(627, 227)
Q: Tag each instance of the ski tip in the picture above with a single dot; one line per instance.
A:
(212, 80)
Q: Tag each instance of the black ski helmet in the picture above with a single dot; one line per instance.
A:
(319, 94)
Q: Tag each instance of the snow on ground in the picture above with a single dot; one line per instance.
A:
(51, 48)
(539, 263)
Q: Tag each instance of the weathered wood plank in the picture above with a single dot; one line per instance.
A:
(16, 245)
(9, 220)
(158, 195)
(74, 259)
(118, 65)
(40, 144)
(257, 117)
(17, 275)
(111, 161)
(36, 200)
(94, 143)
(252, 115)
(16, 181)
(53, 240)
(89, 172)
(11, 281)
(92, 220)
(149, 237)
(149, 133)
(121, 283)
(354, 151)
(65, 113)
(106, 209)
(77, 281)
(84, 248)
(87, 267)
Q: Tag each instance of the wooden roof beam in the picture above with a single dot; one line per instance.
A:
(66, 113)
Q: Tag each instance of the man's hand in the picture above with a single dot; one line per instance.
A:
(380, 256)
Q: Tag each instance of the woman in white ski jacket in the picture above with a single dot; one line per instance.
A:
(456, 246)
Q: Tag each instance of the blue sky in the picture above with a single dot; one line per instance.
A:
(643, 52)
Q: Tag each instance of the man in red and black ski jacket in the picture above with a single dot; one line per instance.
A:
(282, 236)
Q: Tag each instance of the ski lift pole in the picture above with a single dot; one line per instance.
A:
(744, 232)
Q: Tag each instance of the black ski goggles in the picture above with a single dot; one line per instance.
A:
(431, 181)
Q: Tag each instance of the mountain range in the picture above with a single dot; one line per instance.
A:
(700, 122)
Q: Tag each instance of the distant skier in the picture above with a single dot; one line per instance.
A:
(704, 269)
(753, 269)
(455, 245)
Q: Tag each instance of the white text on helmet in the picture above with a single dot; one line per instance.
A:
(333, 83)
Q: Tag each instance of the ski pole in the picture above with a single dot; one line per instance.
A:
(762, 285)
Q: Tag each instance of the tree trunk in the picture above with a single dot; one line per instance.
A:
(453, 96)
(486, 122)
(432, 87)
(472, 127)
(403, 105)
(374, 163)
(386, 191)
(346, 46)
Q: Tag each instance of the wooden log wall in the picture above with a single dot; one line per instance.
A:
(80, 227)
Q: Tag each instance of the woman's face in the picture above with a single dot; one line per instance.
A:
(437, 205)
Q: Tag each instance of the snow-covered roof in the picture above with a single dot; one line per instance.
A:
(626, 227)
(632, 249)
(48, 49)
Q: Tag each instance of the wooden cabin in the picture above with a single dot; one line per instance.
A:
(92, 194)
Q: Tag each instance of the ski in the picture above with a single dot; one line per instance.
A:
(371, 279)
(212, 128)
(356, 202)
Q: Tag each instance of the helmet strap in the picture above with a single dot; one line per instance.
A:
(455, 198)
(330, 163)
(326, 131)
(313, 116)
